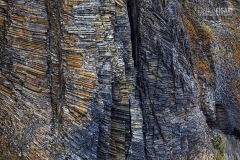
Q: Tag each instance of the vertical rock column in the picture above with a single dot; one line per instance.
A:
(25, 95)
(173, 124)
(80, 126)
(123, 85)
(106, 50)
(127, 41)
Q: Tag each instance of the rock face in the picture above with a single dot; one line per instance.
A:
(119, 79)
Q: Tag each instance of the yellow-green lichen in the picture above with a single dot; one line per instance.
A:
(217, 144)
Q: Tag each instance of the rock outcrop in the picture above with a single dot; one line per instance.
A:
(119, 79)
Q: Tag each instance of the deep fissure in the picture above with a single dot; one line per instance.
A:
(133, 19)
(57, 88)
(221, 118)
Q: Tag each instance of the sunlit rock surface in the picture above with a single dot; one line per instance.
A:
(119, 79)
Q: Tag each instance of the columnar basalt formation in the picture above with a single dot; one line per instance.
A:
(119, 79)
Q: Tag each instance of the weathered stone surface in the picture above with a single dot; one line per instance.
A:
(119, 79)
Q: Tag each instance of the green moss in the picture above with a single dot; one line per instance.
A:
(218, 145)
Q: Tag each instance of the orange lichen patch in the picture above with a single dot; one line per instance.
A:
(206, 35)
(190, 30)
(232, 39)
(186, 9)
(204, 70)
(236, 52)
(232, 23)
(200, 38)
(198, 85)
(196, 29)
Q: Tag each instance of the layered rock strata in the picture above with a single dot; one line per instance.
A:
(119, 79)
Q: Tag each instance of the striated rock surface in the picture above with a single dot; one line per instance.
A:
(119, 79)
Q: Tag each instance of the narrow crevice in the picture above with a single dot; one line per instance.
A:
(50, 50)
(221, 119)
(133, 19)
(209, 120)
(55, 67)
(5, 59)
(222, 122)
(49, 62)
(133, 14)
(144, 128)
(129, 133)
(55, 51)
(60, 67)
(236, 133)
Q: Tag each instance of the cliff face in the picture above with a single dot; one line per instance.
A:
(119, 79)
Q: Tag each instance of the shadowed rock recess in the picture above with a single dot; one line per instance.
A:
(119, 79)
